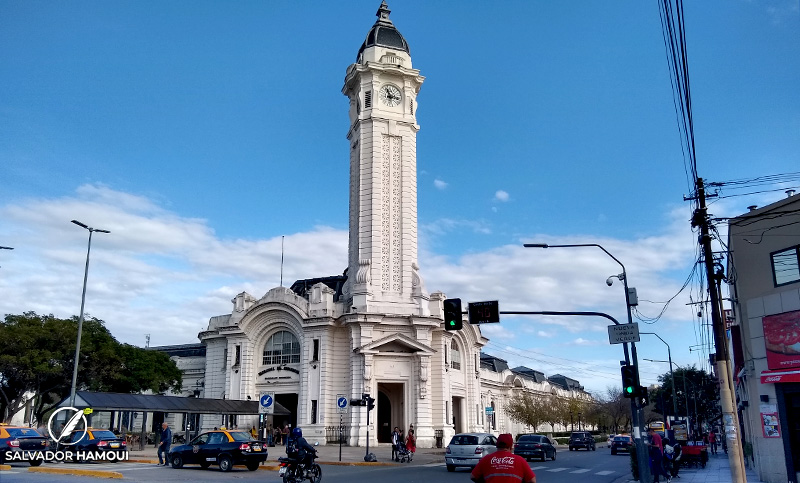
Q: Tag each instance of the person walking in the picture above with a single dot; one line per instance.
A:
(656, 452)
(503, 466)
(254, 432)
(712, 441)
(411, 441)
(163, 446)
(395, 441)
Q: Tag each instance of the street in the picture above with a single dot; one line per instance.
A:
(596, 466)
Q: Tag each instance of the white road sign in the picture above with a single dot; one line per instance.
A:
(266, 403)
(619, 334)
(342, 403)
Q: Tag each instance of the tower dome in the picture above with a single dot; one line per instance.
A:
(384, 33)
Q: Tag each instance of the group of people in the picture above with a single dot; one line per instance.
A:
(664, 458)
(409, 441)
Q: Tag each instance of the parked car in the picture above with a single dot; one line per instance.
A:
(222, 447)
(466, 449)
(535, 446)
(581, 439)
(97, 440)
(621, 443)
(21, 439)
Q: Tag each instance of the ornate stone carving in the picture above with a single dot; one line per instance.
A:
(364, 274)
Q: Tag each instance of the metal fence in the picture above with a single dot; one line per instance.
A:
(333, 434)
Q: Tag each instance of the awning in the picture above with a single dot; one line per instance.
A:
(770, 377)
(111, 401)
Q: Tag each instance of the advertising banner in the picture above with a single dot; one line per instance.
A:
(770, 424)
(782, 338)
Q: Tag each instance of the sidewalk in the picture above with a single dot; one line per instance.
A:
(329, 454)
(717, 470)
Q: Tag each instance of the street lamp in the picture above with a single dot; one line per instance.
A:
(672, 374)
(80, 318)
(636, 411)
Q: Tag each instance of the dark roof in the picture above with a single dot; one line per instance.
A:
(335, 282)
(529, 373)
(565, 382)
(182, 350)
(384, 33)
(492, 363)
(112, 401)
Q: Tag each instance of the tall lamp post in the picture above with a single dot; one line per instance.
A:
(671, 374)
(637, 415)
(80, 318)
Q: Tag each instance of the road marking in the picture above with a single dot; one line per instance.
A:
(603, 473)
(580, 471)
(538, 467)
(556, 470)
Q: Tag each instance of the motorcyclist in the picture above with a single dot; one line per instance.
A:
(299, 449)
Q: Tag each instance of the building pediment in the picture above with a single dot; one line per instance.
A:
(396, 343)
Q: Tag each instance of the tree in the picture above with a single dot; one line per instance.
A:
(693, 386)
(526, 409)
(617, 407)
(36, 357)
(552, 410)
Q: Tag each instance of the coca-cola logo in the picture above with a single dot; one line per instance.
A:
(773, 379)
(505, 460)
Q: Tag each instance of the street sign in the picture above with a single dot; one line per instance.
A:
(342, 403)
(266, 403)
(483, 312)
(489, 410)
(619, 334)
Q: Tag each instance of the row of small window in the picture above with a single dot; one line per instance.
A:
(785, 266)
(282, 348)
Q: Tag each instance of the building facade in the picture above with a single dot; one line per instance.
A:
(764, 282)
(375, 329)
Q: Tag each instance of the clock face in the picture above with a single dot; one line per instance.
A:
(390, 95)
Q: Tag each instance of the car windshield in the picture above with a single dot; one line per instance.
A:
(23, 433)
(530, 439)
(241, 436)
(464, 439)
(103, 435)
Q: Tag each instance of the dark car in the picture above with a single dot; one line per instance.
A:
(20, 440)
(621, 443)
(581, 439)
(224, 448)
(535, 446)
(102, 441)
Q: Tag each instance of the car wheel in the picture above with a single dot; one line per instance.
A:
(451, 468)
(177, 461)
(554, 455)
(571, 448)
(252, 466)
(613, 451)
(225, 463)
(205, 465)
(544, 456)
(35, 462)
(594, 448)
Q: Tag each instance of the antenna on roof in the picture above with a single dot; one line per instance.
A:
(282, 237)
(146, 341)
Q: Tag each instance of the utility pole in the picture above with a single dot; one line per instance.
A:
(729, 416)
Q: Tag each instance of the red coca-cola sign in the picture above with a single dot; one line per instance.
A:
(503, 461)
(782, 338)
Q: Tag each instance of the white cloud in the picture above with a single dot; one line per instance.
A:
(501, 196)
(439, 184)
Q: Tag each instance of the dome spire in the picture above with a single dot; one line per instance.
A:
(384, 33)
(383, 12)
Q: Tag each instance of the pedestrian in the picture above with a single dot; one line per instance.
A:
(395, 441)
(712, 441)
(163, 446)
(677, 452)
(254, 432)
(285, 434)
(411, 441)
(503, 466)
(656, 452)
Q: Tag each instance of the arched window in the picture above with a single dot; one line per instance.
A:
(455, 356)
(282, 348)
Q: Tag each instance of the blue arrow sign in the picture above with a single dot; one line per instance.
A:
(342, 402)
(266, 400)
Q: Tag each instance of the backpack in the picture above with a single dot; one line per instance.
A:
(292, 448)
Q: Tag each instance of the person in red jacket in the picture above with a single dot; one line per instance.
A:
(503, 466)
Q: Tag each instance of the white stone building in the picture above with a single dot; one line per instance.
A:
(375, 329)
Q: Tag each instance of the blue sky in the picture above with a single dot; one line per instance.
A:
(199, 133)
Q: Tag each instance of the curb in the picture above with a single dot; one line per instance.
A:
(355, 463)
(77, 472)
(5, 467)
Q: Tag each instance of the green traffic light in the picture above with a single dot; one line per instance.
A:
(452, 323)
(629, 389)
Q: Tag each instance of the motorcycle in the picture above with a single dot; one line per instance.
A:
(292, 470)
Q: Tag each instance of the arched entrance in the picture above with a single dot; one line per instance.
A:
(384, 418)
(391, 409)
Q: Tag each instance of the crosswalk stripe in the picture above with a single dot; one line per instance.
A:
(580, 471)
(556, 470)
(538, 467)
(603, 473)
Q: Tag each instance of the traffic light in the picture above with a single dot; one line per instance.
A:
(643, 396)
(630, 383)
(356, 402)
(370, 403)
(452, 314)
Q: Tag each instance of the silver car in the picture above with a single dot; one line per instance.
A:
(466, 449)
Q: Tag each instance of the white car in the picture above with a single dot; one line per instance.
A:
(610, 438)
(466, 449)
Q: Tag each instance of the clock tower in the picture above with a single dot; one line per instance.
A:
(383, 274)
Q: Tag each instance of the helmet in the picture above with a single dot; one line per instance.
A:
(297, 433)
